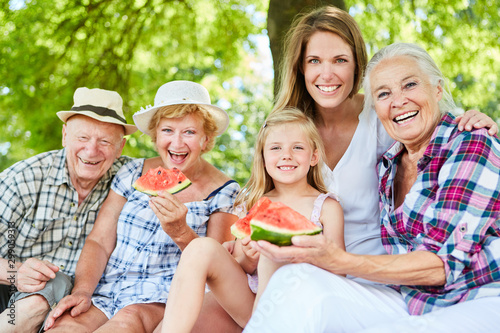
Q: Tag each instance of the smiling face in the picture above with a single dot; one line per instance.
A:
(405, 100)
(180, 141)
(329, 67)
(288, 154)
(91, 148)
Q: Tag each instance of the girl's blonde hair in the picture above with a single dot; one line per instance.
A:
(260, 182)
(181, 110)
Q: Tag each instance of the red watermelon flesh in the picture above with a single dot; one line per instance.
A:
(241, 228)
(160, 179)
(278, 223)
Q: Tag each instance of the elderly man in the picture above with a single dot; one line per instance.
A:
(48, 206)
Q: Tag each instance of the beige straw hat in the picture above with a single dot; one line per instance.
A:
(177, 93)
(99, 104)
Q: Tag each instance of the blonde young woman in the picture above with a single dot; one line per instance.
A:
(286, 168)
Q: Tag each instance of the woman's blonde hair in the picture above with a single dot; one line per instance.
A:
(181, 110)
(292, 89)
(260, 182)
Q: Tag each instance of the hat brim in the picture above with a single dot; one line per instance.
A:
(65, 115)
(143, 118)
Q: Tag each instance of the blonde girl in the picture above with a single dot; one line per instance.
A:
(286, 168)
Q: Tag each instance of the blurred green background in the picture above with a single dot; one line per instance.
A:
(48, 48)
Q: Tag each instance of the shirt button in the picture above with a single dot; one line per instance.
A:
(72, 204)
(70, 243)
(75, 217)
(61, 266)
(33, 225)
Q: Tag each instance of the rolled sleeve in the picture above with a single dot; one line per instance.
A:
(466, 209)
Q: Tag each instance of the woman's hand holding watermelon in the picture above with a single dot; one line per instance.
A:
(172, 215)
(316, 250)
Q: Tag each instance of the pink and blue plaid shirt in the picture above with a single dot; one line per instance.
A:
(452, 210)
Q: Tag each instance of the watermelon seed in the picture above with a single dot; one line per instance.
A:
(159, 172)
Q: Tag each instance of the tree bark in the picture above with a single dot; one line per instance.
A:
(279, 18)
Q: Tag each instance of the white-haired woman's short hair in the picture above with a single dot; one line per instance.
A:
(423, 60)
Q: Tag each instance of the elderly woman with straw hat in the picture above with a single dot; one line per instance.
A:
(126, 266)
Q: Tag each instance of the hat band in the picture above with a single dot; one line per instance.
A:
(100, 111)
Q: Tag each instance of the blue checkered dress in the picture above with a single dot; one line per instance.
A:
(143, 263)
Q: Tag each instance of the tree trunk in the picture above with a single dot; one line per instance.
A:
(279, 18)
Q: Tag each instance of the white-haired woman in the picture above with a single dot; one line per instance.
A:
(440, 222)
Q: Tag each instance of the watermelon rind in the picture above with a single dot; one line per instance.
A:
(177, 188)
(237, 232)
(277, 236)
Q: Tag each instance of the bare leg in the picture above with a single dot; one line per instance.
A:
(86, 322)
(266, 269)
(26, 317)
(135, 318)
(206, 261)
(212, 319)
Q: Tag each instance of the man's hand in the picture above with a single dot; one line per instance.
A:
(34, 274)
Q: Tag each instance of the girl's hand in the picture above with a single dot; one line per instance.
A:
(248, 250)
(229, 246)
(171, 213)
(475, 119)
(245, 255)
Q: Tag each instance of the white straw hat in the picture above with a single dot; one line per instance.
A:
(99, 104)
(178, 93)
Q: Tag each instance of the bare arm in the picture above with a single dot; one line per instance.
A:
(332, 218)
(99, 244)
(219, 226)
(6, 266)
(172, 215)
(98, 247)
(415, 268)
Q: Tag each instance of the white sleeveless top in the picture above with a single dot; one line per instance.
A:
(355, 181)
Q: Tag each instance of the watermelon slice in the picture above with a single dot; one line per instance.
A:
(241, 228)
(160, 179)
(278, 223)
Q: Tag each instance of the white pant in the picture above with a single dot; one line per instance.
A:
(304, 298)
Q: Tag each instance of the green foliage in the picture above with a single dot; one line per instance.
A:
(463, 37)
(48, 48)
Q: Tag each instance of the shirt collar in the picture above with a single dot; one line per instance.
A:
(441, 136)
(59, 172)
